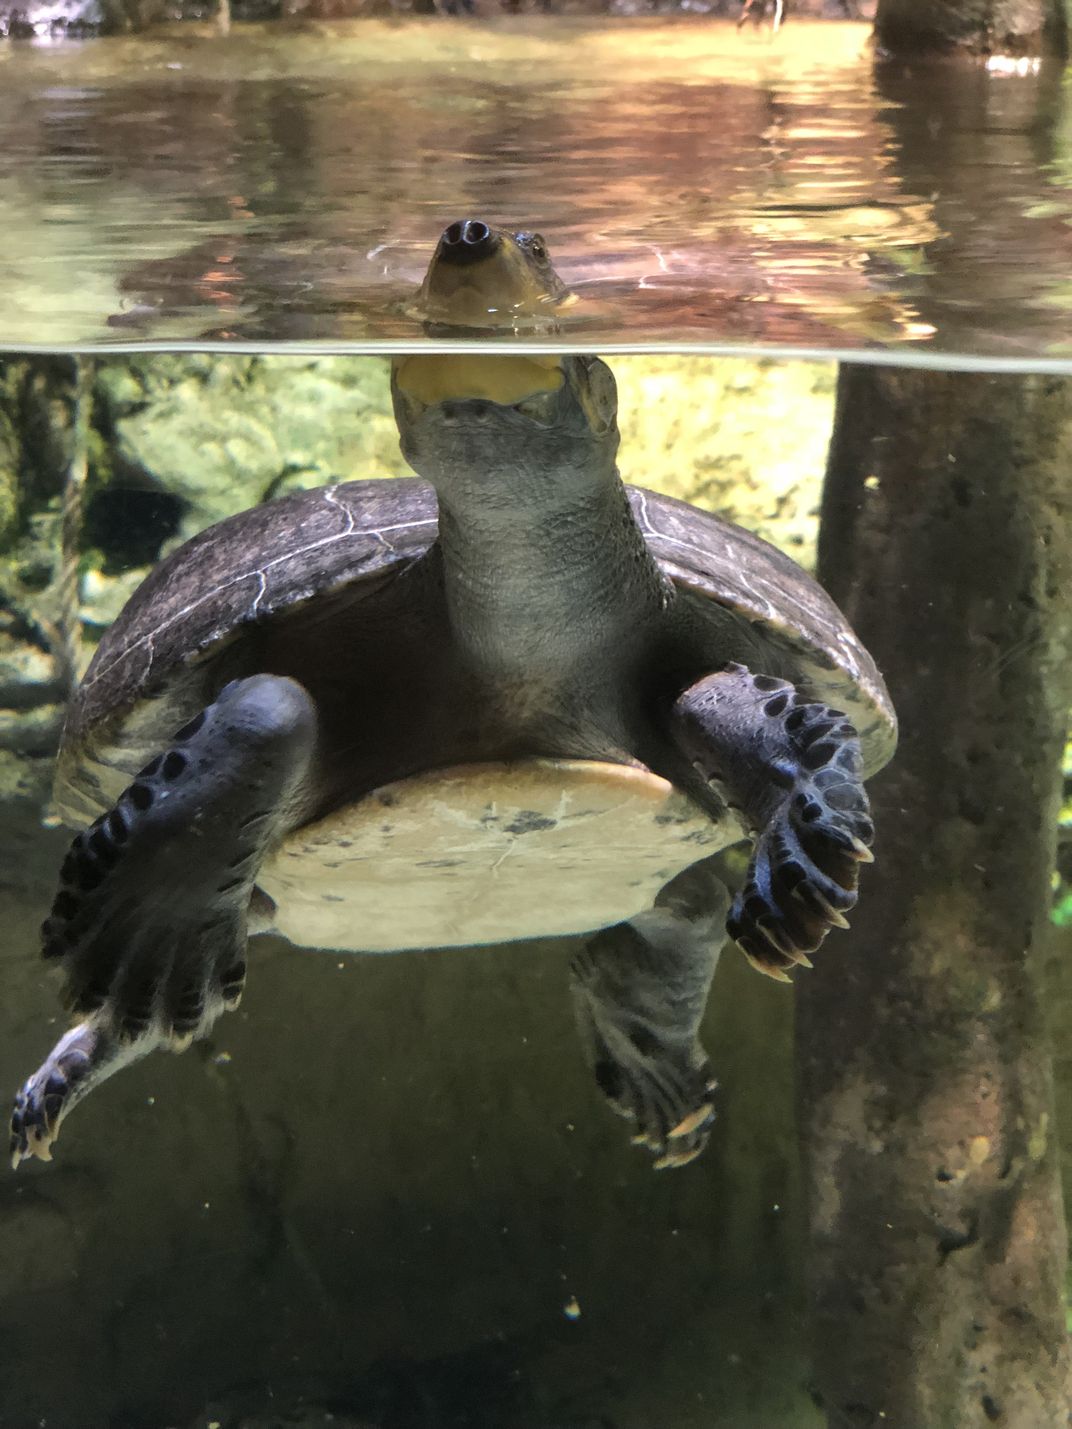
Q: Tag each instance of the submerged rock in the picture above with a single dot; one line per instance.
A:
(225, 433)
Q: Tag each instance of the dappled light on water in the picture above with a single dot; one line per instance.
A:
(697, 185)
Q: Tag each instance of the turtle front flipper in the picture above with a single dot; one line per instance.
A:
(792, 767)
(639, 994)
(149, 923)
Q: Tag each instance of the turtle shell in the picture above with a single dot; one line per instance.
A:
(723, 563)
(254, 566)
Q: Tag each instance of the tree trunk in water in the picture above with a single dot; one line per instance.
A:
(937, 1249)
(908, 28)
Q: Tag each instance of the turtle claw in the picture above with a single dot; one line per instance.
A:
(672, 1106)
(27, 1138)
(695, 1120)
(32, 1135)
(678, 1158)
(763, 964)
(833, 915)
(687, 1140)
(778, 936)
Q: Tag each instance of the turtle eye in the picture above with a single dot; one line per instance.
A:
(534, 245)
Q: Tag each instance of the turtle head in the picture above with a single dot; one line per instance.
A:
(488, 423)
(484, 277)
(504, 427)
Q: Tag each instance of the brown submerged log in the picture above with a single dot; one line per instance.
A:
(937, 1240)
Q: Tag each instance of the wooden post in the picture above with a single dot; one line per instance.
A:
(937, 1242)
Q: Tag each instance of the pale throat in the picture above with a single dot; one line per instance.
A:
(544, 582)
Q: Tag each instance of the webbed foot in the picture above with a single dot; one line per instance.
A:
(639, 993)
(793, 767)
(149, 924)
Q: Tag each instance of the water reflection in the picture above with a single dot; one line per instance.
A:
(991, 153)
(697, 185)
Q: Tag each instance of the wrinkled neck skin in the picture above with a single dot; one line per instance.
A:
(546, 572)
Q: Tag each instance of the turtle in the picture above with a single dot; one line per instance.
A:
(506, 697)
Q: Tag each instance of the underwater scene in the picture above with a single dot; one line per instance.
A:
(536, 653)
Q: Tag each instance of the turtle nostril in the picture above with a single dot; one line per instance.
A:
(467, 241)
(474, 232)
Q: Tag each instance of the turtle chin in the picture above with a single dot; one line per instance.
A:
(541, 445)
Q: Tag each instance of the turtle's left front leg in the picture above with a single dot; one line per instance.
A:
(792, 766)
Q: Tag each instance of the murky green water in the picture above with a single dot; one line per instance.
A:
(698, 186)
(385, 1189)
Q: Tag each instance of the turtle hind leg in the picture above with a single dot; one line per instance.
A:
(84, 1057)
(793, 767)
(149, 924)
(639, 993)
(140, 1018)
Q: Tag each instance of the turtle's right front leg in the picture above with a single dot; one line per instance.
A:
(149, 923)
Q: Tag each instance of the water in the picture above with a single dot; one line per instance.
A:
(698, 186)
(385, 1193)
(386, 1186)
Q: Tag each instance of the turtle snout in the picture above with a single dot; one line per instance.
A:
(468, 241)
